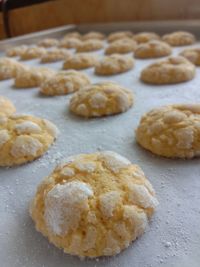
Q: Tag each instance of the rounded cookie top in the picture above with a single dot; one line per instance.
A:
(114, 64)
(168, 71)
(80, 61)
(6, 106)
(119, 35)
(121, 46)
(8, 68)
(48, 42)
(171, 131)
(90, 45)
(29, 77)
(55, 54)
(179, 38)
(94, 204)
(16, 51)
(192, 54)
(24, 138)
(94, 35)
(144, 37)
(101, 99)
(32, 52)
(152, 49)
(64, 82)
(73, 34)
(70, 42)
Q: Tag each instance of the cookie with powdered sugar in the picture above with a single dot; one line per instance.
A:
(94, 204)
(24, 138)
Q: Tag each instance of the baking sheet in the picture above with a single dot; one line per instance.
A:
(173, 238)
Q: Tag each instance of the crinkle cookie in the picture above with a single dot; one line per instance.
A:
(179, 38)
(48, 42)
(94, 35)
(169, 71)
(8, 68)
(171, 131)
(70, 42)
(24, 138)
(144, 37)
(64, 82)
(74, 34)
(32, 52)
(32, 77)
(192, 54)
(16, 51)
(152, 49)
(55, 54)
(121, 46)
(89, 45)
(114, 64)
(101, 99)
(80, 61)
(94, 204)
(119, 35)
(6, 106)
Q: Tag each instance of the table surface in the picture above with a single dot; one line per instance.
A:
(173, 238)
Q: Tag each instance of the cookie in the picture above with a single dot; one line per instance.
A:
(101, 99)
(8, 68)
(144, 37)
(121, 46)
(192, 54)
(90, 45)
(16, 51)
(6, 106)
(152, 49)
(73, 34)
(114, 64)
(80, 61)
(48, 42)
(24, 138)
(64, 82)
(119, 35)
(93, 35)
(94, 204)
(179, 38)
(55, 54)
(32, 52)
(171, 131)
(32, 77)
(70, 42)
(169, 71)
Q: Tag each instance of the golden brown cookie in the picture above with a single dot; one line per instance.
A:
(90, 45)
(32, 52)
(64, 82)
(119, 35)
(8, 68)
(152, 49)
(80, 61)
(192, 54)
(144, 37)
(171, 131)
(48, 42)
(6, 106)
(73, 34)
(16, 51)
(114, 64)
(32, 77)
(94, 205)
(93, 35)
(24, 138)
(101, 99)
(70, 42)
(179, 38)
(169, 71)
(121, 46)
(55, 54)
